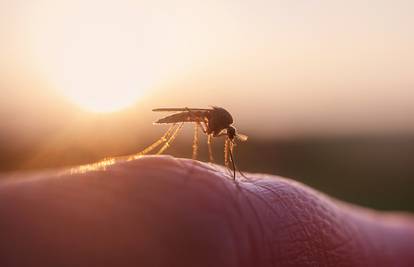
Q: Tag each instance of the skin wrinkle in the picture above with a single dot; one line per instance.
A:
(261, 223)
(345, 238)
(283, 205)
(234, 224)
(244, 216)
(302, 227)
(335, 235)
(245, 219)
(302, 231)
(159, 211)
(233, 199)
(303, 224)
(257, 245)
(316, 241)
(359, 244)
(262, 199)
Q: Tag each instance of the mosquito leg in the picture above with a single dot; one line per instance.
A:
(226, 153)
(202, 123)
(231, 152)
(162, 139)
(204, 127)
(171, 139)
(232, 160)
(235, 168)
(210, 149)
(195, 140)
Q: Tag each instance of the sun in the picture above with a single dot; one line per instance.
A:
(100, 65)
(99, 71)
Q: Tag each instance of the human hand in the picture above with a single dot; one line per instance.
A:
(163, 211)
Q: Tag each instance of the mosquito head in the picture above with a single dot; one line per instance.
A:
(231, 132)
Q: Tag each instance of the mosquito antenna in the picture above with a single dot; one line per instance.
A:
(195, 140)
(162, 139)
(171, 139)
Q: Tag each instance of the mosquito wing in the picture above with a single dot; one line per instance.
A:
(185, 116)
(242, 137)
(180, 109)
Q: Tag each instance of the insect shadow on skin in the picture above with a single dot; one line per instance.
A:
(214, 122)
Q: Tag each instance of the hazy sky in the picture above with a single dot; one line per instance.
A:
(280, 66)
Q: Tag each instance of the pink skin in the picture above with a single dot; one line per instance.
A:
(162, 211)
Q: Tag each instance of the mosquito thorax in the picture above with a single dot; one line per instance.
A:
(218, 120)
(224, 115)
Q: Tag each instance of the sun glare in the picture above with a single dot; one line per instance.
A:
(99, 70)
(100, 73)
(99, 65)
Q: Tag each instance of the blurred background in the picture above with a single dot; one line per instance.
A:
(324, 89)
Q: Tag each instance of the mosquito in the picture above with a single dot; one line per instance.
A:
(214, 122)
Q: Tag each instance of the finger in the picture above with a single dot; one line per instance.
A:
(161, 211)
